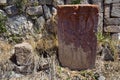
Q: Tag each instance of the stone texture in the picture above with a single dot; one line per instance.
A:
(24, 54)
(37, 10)
(3, 2)
(115, 10)
(76, 35)
(3, 13)
(40, 22)
(112, 28)
(49, 2)
(19, 25)
(112, 21)
(58, 2)
(100, 23)
(107, 11)
(107, 53)
(115, 36)
(47, 12)
(11, 10)
(111, 1)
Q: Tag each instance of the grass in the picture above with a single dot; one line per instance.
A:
(2, 24)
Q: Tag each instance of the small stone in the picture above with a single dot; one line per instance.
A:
(2, 12)
(54, 11)
(36, 10)
(101, 78)
(11, 10)
(3, 2)
(106, 53)
(49, 2)
(23, 54)
(47, 12)
(58, 2)
(40, 22)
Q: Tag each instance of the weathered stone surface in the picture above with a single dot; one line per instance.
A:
(40, 22)
(115, 36)
(23, 54)
(100, 23)
(99, 3)
(3, 2)
(115, 10)
(2, 13)
(47, 12)
(76, 35)
(19, 25)
(49, 2)
(37, 10)
(58, 2)
(11, 10)
(112, 28)
(111, 1)
(107, 53)
(107, 11)
(112, 21)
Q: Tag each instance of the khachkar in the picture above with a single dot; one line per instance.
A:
(77, 26)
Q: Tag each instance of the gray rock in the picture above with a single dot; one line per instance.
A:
(112, 28)
(111, 1)
(107, 11)
(100, 23)
(84, 2)
(112, 21)
(19, 25)
(115, 10)
(40, 22)
(2, 12)
(11, 10)
(47, 12)
(101, 77)
(3, 2)
(116, 36)
(23, 54)
(36, 10)
(106, 53)
(54, 11)
(58, 2)
(49, 2)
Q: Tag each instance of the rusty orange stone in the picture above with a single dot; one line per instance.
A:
(77, 25)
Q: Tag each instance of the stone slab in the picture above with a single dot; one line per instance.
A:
(115, 10)
(112, 28)
(112, 21)
(76, 35)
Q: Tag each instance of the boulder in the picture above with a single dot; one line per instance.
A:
(19, 25)
(24, 54)
(3, 2)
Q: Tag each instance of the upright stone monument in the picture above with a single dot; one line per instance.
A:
(77, 25)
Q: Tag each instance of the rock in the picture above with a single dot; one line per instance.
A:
(40, 22)
(112, 28)
(112, 21)
(36, 10)
(47, 12)
(76, 36)
(100, 23)
(84, 2)
(116, 36)
(3, 2)
(107, 11)
(23, 54)
(54, 11)
(11, 10)
(51, 26)
(101, 77)
(107, 54)
(19, 25)
(115, 10)
(111, 1)
(2, 12)
(43, 2)
(58, 2)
